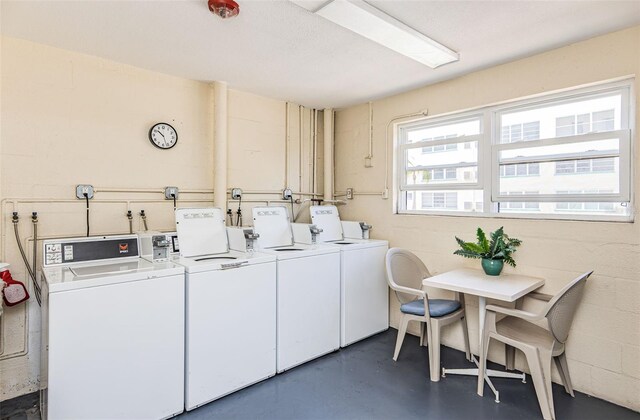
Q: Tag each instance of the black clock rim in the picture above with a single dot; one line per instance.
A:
(160, 147)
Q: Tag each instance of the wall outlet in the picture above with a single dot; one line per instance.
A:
(170, 193)
(385, 194)
(286, 194)
(81, 190)
(349, 193)
(236, 193)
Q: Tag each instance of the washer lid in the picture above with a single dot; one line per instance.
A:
(201, 231)
(273, 226)
(230, 260)
(93, 274)
(327, 218)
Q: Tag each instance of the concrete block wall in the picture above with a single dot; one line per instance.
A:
(604, 345)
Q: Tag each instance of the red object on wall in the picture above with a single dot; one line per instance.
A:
(14, 291)
(224, 8)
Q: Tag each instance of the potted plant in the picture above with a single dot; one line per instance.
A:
(494, 252)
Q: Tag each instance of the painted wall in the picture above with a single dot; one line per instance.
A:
(68, 118)
(604, 346)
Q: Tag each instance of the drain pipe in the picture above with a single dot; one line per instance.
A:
(220, 116)
(328, 154)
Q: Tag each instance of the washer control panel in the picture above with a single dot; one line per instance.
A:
(72, 250)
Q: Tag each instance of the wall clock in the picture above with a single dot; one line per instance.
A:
(163, 136)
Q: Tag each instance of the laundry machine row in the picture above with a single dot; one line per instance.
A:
(186, 306)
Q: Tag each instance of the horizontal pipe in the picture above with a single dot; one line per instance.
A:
(270, 192)
(147, 190)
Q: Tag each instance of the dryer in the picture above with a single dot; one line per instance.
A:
(112, 331)
(308, 290)
(230, 309)
(364, 293)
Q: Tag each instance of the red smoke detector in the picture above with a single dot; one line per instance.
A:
(224, 8)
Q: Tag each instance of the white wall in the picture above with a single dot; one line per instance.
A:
(604, 346)
(68, 118)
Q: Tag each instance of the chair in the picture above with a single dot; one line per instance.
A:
(405, 273)
(541, 337)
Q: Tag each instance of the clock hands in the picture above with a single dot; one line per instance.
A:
(158, 131)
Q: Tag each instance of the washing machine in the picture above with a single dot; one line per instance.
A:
(364, 294)
(308, 290)
(112, 331)
(230, 309)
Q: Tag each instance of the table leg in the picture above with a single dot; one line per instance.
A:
(482, 304)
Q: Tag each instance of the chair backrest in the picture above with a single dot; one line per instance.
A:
(406, 270)
(561, 309)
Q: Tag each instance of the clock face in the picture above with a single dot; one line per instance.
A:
(163, 136)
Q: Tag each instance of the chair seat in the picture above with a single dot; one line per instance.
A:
(520, 330)
(437, 307)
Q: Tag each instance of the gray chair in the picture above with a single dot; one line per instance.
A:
(405, 273)
(540, 336)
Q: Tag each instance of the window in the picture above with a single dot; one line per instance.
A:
(585, 166)
(453, 174)
(525, 169)
(521, 132)
(439, 200)
(586, 207)
(516, 158)
(519, 205)
(440, 147)
(585, 123)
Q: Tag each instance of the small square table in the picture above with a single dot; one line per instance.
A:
(505, 287)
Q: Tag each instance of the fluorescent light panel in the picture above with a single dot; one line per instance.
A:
(372, 23)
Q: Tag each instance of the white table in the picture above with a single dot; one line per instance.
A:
(506, 288)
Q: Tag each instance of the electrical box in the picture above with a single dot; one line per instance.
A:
(287, 194)
(170, 193)
(236, 193)
(81, 190)
(349, 193)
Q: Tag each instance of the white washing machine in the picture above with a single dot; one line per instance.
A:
(231, 309)
(113, 331)
(308, 290)
(364, 294)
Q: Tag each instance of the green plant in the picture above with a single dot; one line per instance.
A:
(499, 247)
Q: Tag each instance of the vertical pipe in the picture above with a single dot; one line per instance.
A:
(286, 146)
(220, 119)
(314, 187)
(300, 123)
(328, 154)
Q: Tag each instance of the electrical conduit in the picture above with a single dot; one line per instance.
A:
(220, 119)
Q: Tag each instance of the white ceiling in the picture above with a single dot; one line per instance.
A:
(278, 49)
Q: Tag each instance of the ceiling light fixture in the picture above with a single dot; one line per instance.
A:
(372, 23)
(224, 8)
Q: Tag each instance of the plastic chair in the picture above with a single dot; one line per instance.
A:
(405, 273)
(541, 337)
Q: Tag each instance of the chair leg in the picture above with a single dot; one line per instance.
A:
(401, 332)
(509, 357)
(483, 350)
(537, 374)
(465, 332)
(545, 360)
(435, 352)
(422, 327)
(563, 369)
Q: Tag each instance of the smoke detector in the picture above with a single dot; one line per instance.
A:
(224, 8)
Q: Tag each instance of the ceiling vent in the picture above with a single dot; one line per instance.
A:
(224, 8)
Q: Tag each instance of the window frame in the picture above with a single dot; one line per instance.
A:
(489, 147)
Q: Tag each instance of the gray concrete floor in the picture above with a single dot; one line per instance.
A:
(363, 382)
